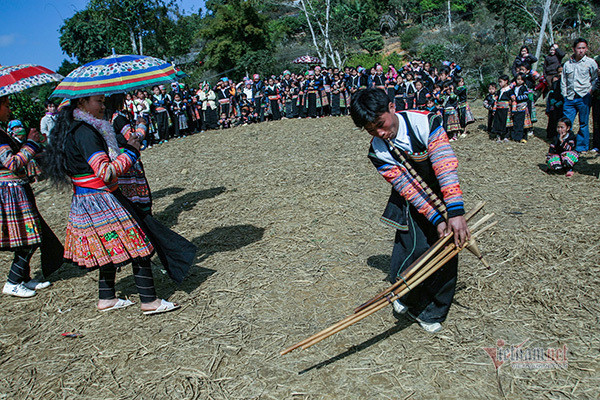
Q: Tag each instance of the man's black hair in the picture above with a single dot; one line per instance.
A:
(579, 40)
(491, 84)
(368, 105)
(504, 77)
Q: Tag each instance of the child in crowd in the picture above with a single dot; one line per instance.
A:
(520, 110)
(179, 109)
(400, 94)
(502, 110)
(288, 102)
(465, 115)
(410, 91)
(335, 99)
(48, 121)
(432, 107)
(421, 96)
(488, 103)
(224, 122)
(450, 102)
(245, 116)
(561, 154)
(436, 94)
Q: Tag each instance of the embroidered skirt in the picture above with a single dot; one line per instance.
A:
(19, 224)
(466, 115)
(101, 231)
(451, 119)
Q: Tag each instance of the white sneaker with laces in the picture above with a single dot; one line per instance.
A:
(36, 285)
(399, 307)
(17, 290)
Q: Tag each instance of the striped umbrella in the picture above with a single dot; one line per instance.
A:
(17, 78)
(115, 74)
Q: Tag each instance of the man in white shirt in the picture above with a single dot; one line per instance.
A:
(579, 76)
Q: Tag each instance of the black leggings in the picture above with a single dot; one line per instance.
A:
(19, 270)
(142, 275)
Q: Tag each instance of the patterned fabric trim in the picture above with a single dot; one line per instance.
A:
(393, 224)
(109, 171)
(15, 163)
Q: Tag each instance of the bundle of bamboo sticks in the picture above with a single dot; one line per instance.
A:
(432, 260)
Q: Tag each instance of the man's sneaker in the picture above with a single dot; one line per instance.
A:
(36, 285)
(594, 150)
(17, 290)
(431, 327)
(399, 307)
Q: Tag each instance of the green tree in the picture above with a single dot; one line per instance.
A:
(234, 29)
(129, 26)
(371, 41)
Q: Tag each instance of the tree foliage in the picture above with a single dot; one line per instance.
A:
(234, 29)
(371, 41)
(129, 26)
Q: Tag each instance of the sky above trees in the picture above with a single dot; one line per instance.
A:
(29, 32)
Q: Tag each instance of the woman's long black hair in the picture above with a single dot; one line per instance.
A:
(54, 159)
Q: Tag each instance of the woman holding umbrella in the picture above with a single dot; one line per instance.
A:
(106, 231)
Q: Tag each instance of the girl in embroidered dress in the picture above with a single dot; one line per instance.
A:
(105, 230)
(561, 154)
(520, 111)
(501, 110)
(22, 228)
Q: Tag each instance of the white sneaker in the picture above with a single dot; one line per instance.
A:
(399, 307)
(36, 285)
(17, 290)
(431, 327)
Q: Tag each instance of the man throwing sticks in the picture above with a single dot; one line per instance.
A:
(412, 152)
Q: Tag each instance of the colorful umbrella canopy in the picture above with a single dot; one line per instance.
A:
(115, 74)
(17, 78)
(307, 60)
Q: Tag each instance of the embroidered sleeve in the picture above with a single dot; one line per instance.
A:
(14, 161)
(445, 166)
(407, 187)
(92, 148)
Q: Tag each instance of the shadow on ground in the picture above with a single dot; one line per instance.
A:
(170, 215)
(228, 238)
(401, 324)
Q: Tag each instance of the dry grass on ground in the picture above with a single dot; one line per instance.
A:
(285, 216)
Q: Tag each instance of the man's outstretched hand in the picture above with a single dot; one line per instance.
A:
(458, 225)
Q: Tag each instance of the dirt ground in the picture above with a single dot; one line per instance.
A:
(285, 217)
